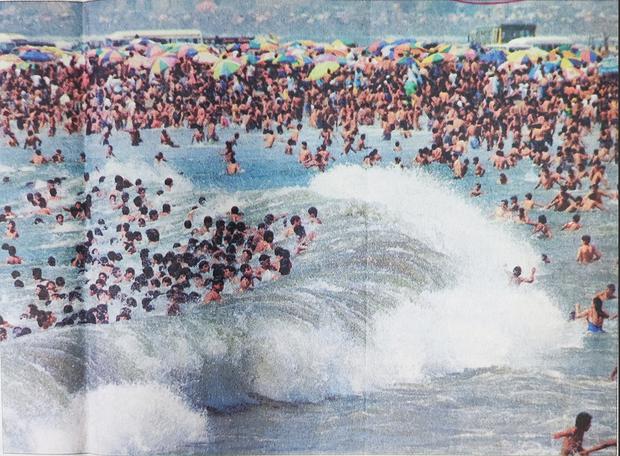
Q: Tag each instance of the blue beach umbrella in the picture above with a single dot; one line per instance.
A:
(33, 55)
(494, 56)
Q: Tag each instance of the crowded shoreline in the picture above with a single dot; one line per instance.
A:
(516, 110)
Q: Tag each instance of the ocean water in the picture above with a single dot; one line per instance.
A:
(395, 333)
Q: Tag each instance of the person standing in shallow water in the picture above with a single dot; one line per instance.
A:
(572, 443)
(587, 253)
(595, 315)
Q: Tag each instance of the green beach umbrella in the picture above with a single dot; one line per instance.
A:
(225, 67)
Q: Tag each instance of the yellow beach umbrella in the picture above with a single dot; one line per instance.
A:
(320, 70)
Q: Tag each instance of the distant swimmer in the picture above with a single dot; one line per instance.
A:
(587, 253)
(166, 140)
(573, 437)
(109, 152)
(517, 279)
(232, 167)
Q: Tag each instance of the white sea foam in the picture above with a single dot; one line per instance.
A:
(120, 419)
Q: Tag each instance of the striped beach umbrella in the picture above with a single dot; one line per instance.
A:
(111, 56)
(437, 57)
(588, 56)
(154, 50)
(161, 63)
(186, 51)
(225, 67)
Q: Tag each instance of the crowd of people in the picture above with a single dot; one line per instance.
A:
(516, 112)
(214, 256)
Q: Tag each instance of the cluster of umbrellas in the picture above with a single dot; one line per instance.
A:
(323, 58)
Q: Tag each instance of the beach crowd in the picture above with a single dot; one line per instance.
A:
(536, 109)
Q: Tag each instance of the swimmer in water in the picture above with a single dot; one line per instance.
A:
(595, 315)
(572, 443)
(517, 279)
(573, 225)
(587, 253)
(608, 293)
(542, 228)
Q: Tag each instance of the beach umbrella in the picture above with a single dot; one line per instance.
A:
(205, 57)
(574, 59)
(34, 55)
(252, 59)
(265, 43)
(325, 58)
(8, 60)
(267, 57)
(266, 46)
(526, 55)
(588, 56)
(52, 50)
(172, 47)
(321, 69)
(346, 42)
(138, 61)
(225, 67)
(161, 63)
(286, 58)
(405, 61)
(549, 67)
(111, 56)
(186, 51)
(437, 57)
(376, 46)
(338, 45)
(443, 48)
(567, 63)
(154, 50)
(139, 44)
(495, 56)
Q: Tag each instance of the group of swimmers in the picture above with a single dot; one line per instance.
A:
(127, 264)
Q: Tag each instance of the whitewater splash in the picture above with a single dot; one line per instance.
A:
(405, 282)
(119, 419)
